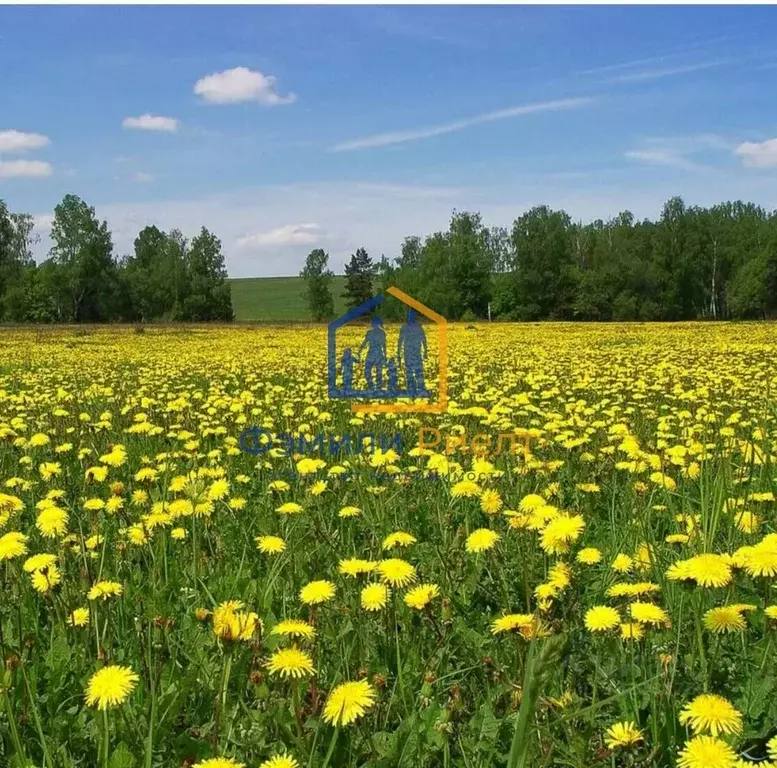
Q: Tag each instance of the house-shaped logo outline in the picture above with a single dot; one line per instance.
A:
(437, 406)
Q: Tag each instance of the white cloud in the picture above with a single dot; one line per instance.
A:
(758, 154)
(17, 169)
(232, 86)
(152, 123)
(17, 141)
(399, 137)
(141, 177)
(290, 234)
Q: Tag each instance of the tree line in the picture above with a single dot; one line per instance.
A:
(691, 263)
(167, 277)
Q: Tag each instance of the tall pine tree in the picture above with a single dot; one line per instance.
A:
(359, 272)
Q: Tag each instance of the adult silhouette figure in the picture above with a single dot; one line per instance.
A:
(375, 342)
(412, 340)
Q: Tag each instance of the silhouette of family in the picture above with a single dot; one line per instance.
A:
(411, 346)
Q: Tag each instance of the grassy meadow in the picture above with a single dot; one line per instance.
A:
(277, 299)
(605, 600)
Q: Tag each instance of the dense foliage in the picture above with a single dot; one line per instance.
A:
(166, 278)
(692, 263)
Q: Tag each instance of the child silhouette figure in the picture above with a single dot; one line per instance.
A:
(346, 367)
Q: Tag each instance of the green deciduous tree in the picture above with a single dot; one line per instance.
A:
(318, 279)
(208, 296)
(83, 251)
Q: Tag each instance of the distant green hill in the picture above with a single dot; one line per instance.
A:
(277, 299)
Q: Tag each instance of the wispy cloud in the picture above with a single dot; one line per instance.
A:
(289, 234)
(400, 137)
(628, 64)
(668, 157)
(656, 74)
(677, 152)
(672, 53)
(141, 177)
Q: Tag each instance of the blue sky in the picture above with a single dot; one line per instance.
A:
(287, 128)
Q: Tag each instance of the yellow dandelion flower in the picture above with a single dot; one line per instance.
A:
(771, 748)
(396, 572)
(290, 662)
(490, 502)
(761, 561)
(601, 618)
(466, 489)
(355, 566)
(13, 544)
(419, 597)
(747, 522)
(79, 617)
(706, 752)
(231, 623)
(624, 734)
(622, 563)
(294, 628)
(49, 469)
(710, 570)
(289, 508)
(52, 521)
(38, 562)
(560, 532)
(46, 579)
(374, 597)
(98, 474)
(713, 714)
(632, 631)
(317, 592)
(110, 686)
(280, 761)
(348, 702)
(511, 622)
(481, 540)
(218, 490)
(398, 539)
(589, 556)
(727, 618)
(105, 589)
(530, 502)
(647, 613)
(270, 545)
